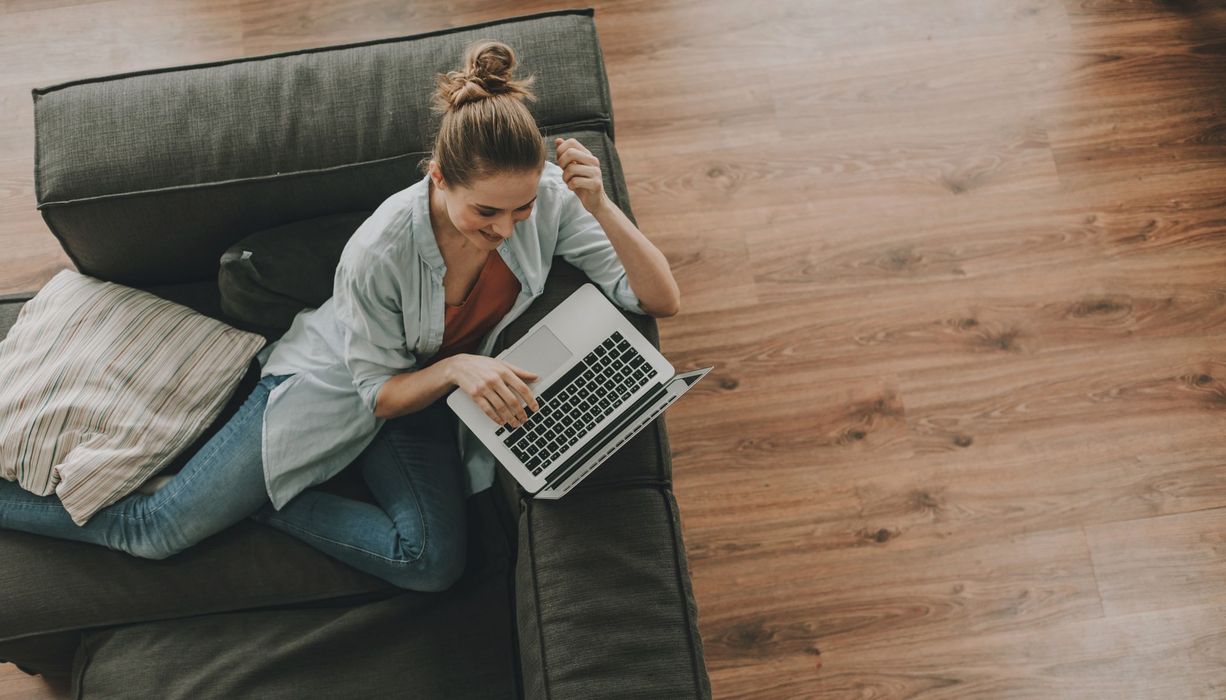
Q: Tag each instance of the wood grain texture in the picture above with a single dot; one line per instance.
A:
(958, 265)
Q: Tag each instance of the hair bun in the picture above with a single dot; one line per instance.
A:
(488, 66)
(490, 61)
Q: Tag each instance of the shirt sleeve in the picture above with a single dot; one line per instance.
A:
(584, 244)
(367, 302)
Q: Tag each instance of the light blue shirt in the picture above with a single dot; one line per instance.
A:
(386, 316)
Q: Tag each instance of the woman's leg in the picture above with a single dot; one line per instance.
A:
(416, 537)
(219, 486)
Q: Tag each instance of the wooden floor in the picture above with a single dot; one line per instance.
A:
(961, 267)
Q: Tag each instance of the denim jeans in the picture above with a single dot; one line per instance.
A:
(414, 538)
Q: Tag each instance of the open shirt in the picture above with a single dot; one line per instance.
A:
(386, 317)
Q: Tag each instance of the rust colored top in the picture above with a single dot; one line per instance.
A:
(491, 297)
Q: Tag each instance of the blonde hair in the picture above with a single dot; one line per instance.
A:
(486, 128)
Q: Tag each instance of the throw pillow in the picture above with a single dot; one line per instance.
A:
(102, 385)
(268, 277)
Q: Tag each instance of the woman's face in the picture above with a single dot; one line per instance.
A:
(486, 211)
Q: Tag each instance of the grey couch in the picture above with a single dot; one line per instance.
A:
(146, 179)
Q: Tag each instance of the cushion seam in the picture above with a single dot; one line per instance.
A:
(605, 93)
(221, 183)
(278, 599)
(276, 177)
(678, 563)
(517, 659)
(536, 591)
(587, 12)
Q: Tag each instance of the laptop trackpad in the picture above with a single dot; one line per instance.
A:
(540, 353)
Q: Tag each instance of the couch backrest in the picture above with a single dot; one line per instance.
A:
(146, 178)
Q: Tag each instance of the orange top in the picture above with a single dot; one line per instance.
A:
(491, 297)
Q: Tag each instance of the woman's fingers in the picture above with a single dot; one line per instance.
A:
(575, 156)
(563, 144)
(523, 389)
(574, 171)
(585, 183)
(570, 148)
(510, 408)
(505, 403)
(499, 390)
(485, 405)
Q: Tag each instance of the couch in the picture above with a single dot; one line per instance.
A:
(146, 179)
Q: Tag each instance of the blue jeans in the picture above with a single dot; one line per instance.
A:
(414, 538)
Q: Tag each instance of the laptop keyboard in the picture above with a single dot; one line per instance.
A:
(574, 404)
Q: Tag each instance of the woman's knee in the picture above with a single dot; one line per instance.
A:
(439, 565)
(156, 538)
(154, 547)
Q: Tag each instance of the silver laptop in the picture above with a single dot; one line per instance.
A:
(601, 382)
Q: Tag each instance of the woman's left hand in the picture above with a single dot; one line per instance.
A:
(581, 173)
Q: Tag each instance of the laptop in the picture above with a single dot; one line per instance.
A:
(601, 382)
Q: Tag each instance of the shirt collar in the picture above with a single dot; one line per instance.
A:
(423, 232)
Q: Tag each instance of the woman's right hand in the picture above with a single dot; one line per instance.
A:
(497, 387)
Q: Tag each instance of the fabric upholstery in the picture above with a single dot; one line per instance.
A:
(604, 601)
(235, 147)
(102, 385)
(268, 277)
(456, 644)
(246, 566)
(50, 655)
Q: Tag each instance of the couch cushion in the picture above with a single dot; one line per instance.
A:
(457, 644)
(102, 385)
(605, 607)
(203, 298)
(49, 585)
(270, 276)
(197, 157)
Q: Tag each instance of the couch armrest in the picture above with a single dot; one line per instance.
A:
(604, 604)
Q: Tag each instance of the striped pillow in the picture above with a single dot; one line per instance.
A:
(102, 385)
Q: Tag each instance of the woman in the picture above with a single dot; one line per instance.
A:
(422, 290)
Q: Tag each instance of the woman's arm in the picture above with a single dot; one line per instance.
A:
(646, 267)
(410, 392)
(498, 388)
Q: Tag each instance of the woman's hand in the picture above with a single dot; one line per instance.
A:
(496, 387)
(581, 172)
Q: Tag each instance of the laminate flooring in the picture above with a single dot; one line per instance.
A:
(961, 268)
